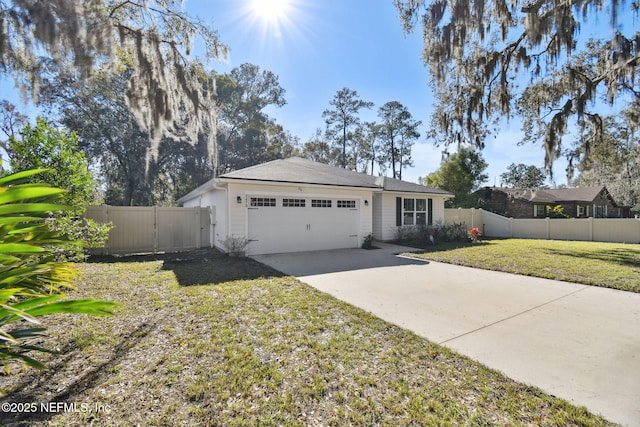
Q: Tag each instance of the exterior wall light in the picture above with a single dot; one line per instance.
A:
(239, 199)
(366, 203)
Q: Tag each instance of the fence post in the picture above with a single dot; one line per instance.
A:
(155, 229)
(107, 220)
(548, 232)
(591, 229)
(511, 227)
(197, 225)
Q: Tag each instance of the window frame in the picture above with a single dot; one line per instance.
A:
(262, 202)
(321, 203)
(414, 213)
(293, 203)
(346, 204)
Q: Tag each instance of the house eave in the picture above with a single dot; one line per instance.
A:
(431, 193)
(212, 184)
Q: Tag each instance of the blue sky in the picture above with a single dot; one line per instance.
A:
(317, 47)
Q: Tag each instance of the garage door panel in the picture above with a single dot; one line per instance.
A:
(293, 229)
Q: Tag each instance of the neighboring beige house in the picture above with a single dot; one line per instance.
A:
(296, 205)
(581, 202)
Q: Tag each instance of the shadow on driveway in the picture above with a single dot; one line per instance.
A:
(301, 264)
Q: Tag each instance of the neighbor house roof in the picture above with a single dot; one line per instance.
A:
(302, 171)
(555, 195)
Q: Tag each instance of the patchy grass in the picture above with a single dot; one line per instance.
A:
(259, 349)
(610, 265)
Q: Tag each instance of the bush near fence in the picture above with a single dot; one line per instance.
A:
(619, 230)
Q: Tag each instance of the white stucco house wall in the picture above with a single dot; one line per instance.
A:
(295, 204)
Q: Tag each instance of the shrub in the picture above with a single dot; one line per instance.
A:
(236, 246)
(432, 234)
(556, 212)
(454, 232)
(368, 242)
(474, 234)
(56, 154)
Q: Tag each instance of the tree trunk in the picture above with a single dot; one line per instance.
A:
(393, 158)
(344, 147)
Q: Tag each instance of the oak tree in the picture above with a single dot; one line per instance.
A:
(490, 59)
(247, 135)
(462, 173)
(154, 38)
(523, 176)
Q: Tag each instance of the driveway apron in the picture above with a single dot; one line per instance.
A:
(580, 343)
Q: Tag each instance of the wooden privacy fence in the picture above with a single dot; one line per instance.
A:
(138, 229)
(622, 230)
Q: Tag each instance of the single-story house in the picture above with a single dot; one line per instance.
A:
(296, 205)
(581, 202)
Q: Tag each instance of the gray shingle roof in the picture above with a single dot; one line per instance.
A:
(555, 195)
(392, 184)
(302, 171)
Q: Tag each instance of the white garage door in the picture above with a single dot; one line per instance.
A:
(287, 224)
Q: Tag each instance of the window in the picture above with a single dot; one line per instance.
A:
(539, 210)
(415, 212)
(582, 210)
(263, 201)
(351, 204)
(293, 203)
(320, 203)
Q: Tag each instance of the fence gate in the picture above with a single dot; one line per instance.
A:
(139, 229)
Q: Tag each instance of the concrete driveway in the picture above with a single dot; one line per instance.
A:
(581, 343)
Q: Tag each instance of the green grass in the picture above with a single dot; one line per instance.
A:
(611, 265)
(260, 349)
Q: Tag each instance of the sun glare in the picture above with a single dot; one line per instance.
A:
(271, 10)
(274, 24)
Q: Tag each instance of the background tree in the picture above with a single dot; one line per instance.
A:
(367, 137)
(42, 147)
(319, 150)
(462, 174)
(245, 131)
(153, 37)
(398, 131)
(615, 163)
(109, 134)
(12, 121)
(342, 118)
(115, 145)
(484, 57)
(523, 176)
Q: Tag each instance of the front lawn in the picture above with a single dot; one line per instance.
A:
(611, 265)
(209, 340)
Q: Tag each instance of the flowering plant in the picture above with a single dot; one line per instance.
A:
(474, 234)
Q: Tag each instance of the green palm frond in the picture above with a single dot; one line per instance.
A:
(31, 283)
